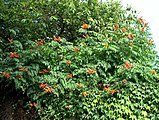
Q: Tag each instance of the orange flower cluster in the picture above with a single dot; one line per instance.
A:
(130, 36)
(68, 62)
(76, 49)
(44, 71)
(85, 26)
(6, 74)
(111, 91)
(116, 27)
(22, 69)
(69, 76)
(42, 85)
(124, 81)
(141, 20)
(114, 91)
(124, 30)
(46, 88)
(106, 87)
(91, 71)
(41, 42)
(84, 94)
(145, 24)
(33, 104)
(127, 65)
(153, 71)
(57, 39)
(143, 28)
(14, 55)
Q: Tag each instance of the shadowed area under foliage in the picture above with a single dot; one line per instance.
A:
(11, 107)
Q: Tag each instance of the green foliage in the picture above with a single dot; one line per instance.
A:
(105, 72)
(19, 19)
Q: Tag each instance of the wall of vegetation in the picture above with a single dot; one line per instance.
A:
(79, 59)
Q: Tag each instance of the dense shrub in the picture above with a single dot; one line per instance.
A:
(106, 72)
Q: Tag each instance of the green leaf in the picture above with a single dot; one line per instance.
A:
(53, 18)
(144, 113)
(12, 31)
(82, 30)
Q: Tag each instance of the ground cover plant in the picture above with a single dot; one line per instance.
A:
(79, 60)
